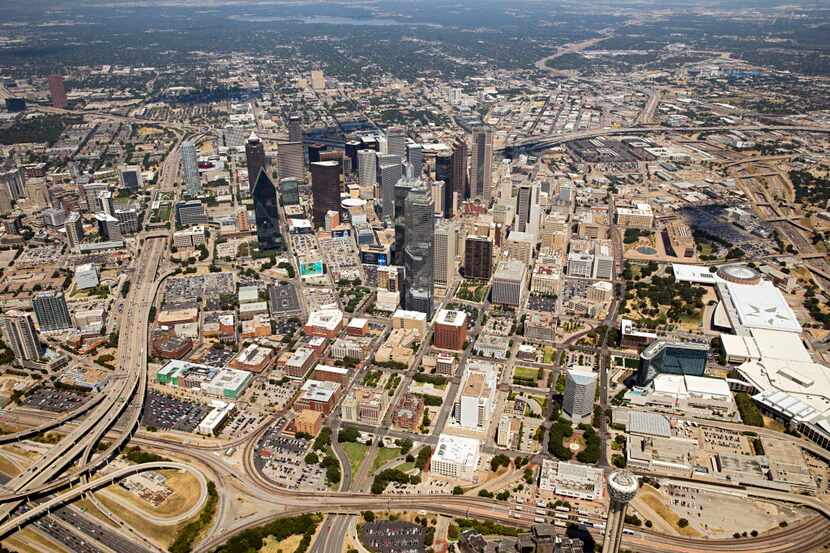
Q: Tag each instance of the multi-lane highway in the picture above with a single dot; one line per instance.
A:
(44, 474)
(542, 142)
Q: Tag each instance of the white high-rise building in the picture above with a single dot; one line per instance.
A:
(415, 157)
(91, 191)
(445, 251)
(20, 336)
(603, 262)
(367, 162)
(190, 168)
(580, 389)
(477, 396)
(580, 265)
(390, 173)
(74, 229)
(456, 457)
(396, 142)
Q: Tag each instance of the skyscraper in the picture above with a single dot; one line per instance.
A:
(459, 171)
(478, 257)
(481, 166)
(51, 311)
(367, 167)
(57, 91)
(19, 335)
(295, 128)
(396, 142)
(325, 189)
(91, 191)
(289, 192)
(443, 172)
(418, 250)
(415, 157)
(622, 487)
(265, 211)
(402, 189)
(528, 195)
(255, 158)
(444, 259)
(390, 174)
(190, 168)
(291, 160)
(74, 230)
(580, 389)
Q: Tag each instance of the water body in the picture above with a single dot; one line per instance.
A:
(327, 20)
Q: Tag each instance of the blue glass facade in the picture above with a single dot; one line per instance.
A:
(672, 358)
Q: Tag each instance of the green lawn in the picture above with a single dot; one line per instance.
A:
(526, 373)
(385, 454)
(405, 467)
(356, 453)
(542, 401)
(549, 354)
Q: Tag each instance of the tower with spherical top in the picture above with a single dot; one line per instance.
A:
(622, 487)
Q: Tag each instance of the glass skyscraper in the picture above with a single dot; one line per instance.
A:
(190, 168)
(267, 215)
(663, 357)
(418, 250)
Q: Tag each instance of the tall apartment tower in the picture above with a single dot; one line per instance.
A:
(622, 488)
(481, 164)
(255, 158)
(415, 157)
(295, 128)
(51, 311)
(367, 167)
(478, 257)
(266, 213)
(580, 389)
(325, 189)
(19, 335)
(57, 91)
(389, 175)
(74, 229)
(396, 142)
(190, 168)
(291, 160)
(444, 259)
(460, 182)
(418, 250)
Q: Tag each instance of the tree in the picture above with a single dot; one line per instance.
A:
(682, 523)
(405, 445)
(499, 461)
(311, 458)
(348, 434)
(458, 490)
(368, 516)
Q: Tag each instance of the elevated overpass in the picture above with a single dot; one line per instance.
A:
(40, 477)
(543, 142)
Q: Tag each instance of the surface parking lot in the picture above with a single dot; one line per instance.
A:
(546, 304)
(241, 424)
(282, 462)
(170, 413)
(54, 400)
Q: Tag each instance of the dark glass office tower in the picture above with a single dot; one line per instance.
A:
(443, 172)
(664, 357)
(255, 158)
(418, 250)
(325, 189)
(289, 192)
(266, 212)
(459, 169)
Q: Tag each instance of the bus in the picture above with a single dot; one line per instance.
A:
(560, 524)
(563, 509)
(539, 520)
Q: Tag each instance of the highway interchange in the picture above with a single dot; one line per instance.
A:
(115, 414)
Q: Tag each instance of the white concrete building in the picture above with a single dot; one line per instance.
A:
(456, 457)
